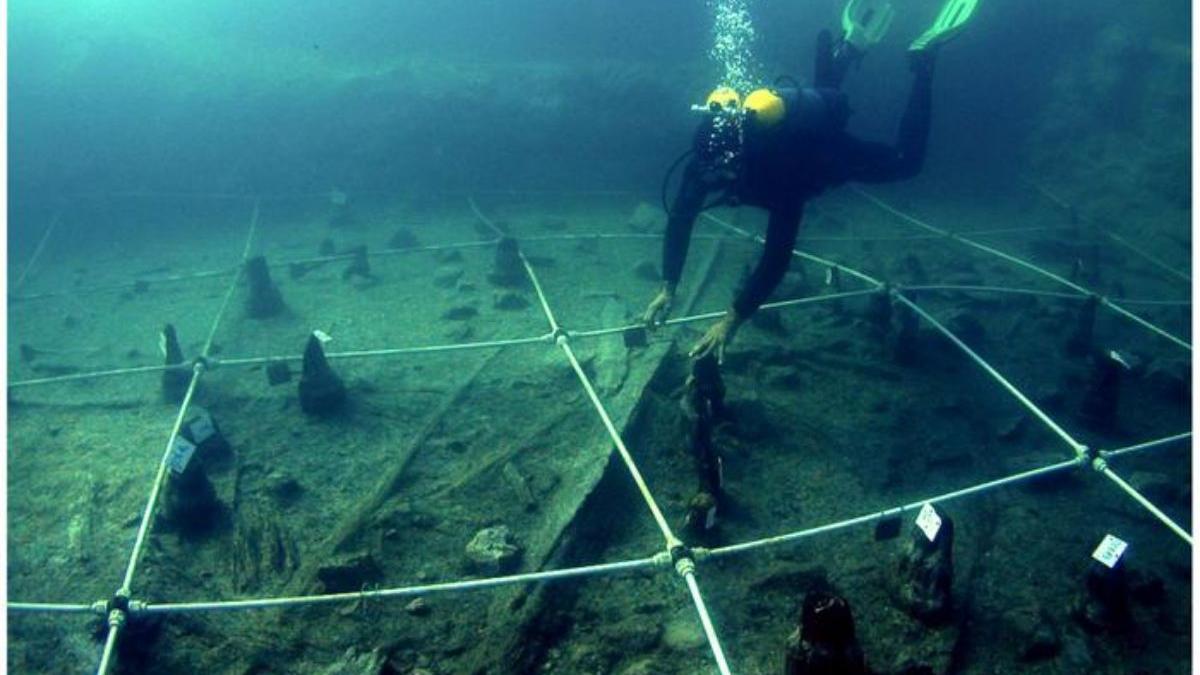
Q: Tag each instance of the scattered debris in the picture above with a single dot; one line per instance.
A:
(492, 551)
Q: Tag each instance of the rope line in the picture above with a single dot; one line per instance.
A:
(1149, 445)
(1146, 504)
(895, 511)
(1075, 445)
(37, 251)
(1022, 263)
(407, 591)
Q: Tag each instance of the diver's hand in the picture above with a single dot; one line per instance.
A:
(717, 338)
(660, 307)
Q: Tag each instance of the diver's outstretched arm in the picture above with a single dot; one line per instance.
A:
(682, 217)
(881, 163)
(782, 227)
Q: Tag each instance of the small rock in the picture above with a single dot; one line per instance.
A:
(492, 551)
(278, 373)
(354, 662)
(403, 238)
(460, 313)
(683, 633)
(509, 301)
(418, 607)
(350, 573)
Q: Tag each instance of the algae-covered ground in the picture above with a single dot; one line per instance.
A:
(827, 424)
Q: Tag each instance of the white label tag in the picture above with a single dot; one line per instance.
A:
(202, 428)
(710, 518)
(828, 276)
(929, 521)
(322, 336)
(720, 473)
(1109, 551)
(181, 454)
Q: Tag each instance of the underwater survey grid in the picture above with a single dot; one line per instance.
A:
(326, 365)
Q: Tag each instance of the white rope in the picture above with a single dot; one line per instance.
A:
(706, 623)
(596, 332)
(1167, 303)
(50, 607)
(1022, 263)
(564, 343)
(896, 511)
(96, 374)
(796, 252)
(616, 235)
(626, 456)
(110, 644)
(407, 591)
(37, 252)
(1149, 445)
(1146, 256)
(1154, 510)
(156, 488)
(1144, 323)
(197, 371)
(994, 289)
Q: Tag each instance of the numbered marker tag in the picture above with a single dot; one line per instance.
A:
(828, 276)
(1110, 550)
(201, 428)
(710, 518)
(929, 521)
(181, 454)
(322, 336)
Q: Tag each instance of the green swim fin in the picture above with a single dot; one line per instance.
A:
(865, 22)
(954, 15)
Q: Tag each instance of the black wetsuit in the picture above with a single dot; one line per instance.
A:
(783, 166)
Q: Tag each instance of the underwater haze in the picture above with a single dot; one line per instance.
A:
(336, 337)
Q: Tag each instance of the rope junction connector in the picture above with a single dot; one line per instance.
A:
(1100, 464)
(116, 619)
(681, 558)
(560, 335)
(119, 602)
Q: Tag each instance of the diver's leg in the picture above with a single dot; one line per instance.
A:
(914, 125)
(832, 61)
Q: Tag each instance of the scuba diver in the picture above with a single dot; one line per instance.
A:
(779, 147)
